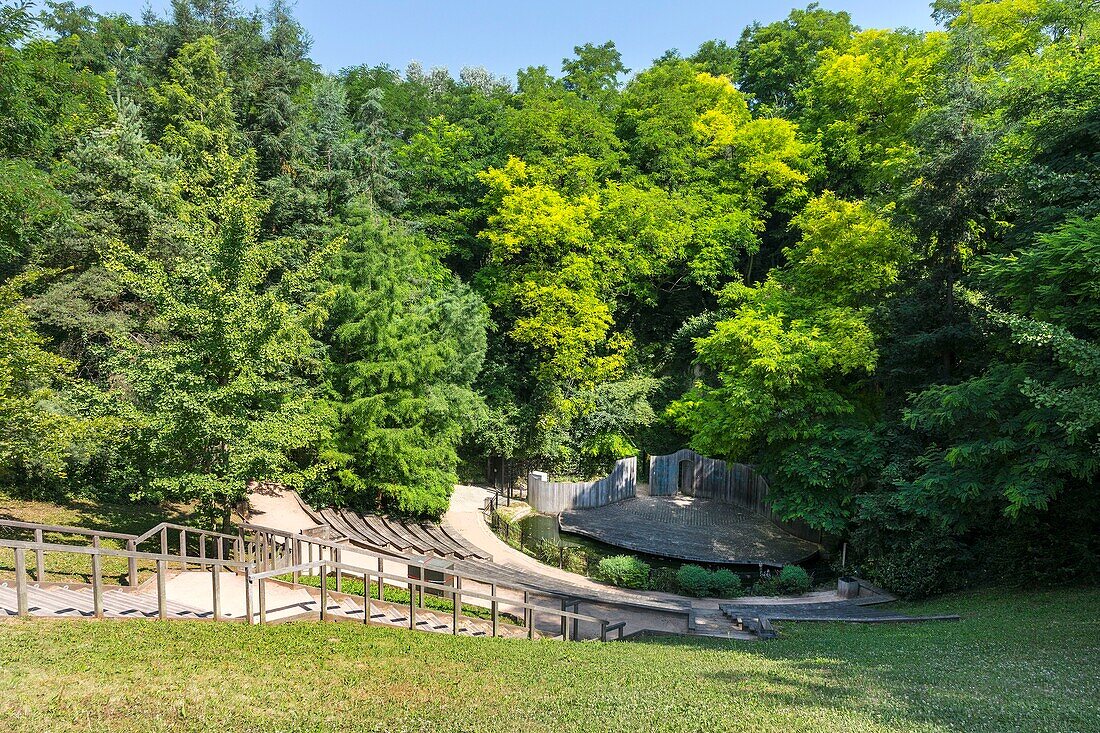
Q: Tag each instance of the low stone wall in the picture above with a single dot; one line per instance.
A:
(553, 497)
(712, 478)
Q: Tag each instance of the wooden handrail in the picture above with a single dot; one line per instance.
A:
(61, 529)
(111, 552)
(266, 553)
(169, 525)
(429, 585)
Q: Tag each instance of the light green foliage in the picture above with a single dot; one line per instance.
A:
(786, 365)
(863, 100)
(624, 570)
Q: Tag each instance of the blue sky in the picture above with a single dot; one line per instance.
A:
(505, 36)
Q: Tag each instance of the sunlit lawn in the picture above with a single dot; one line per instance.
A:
(1017, 662)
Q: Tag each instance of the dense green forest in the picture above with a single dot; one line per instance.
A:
(865, 261)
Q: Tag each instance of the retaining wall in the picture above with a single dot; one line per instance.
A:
(550, 497)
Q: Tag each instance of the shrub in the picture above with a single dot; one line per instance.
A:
(663, 579)
(725, 583)
(694, 580)
(547, 551)
(791, 579)
(575, 560)
(624, 570)
(794, 579)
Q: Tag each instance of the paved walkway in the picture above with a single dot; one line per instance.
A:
(689, 528)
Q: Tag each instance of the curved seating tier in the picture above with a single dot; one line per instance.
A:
(388, 533)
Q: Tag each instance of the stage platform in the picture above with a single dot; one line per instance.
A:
(689, 528)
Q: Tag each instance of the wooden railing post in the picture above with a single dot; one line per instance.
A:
(216, 582)
(248, 593)
(164, 540)
(380, 581)
(457, 605)
(324, 592)
(603, 630)
(183, 550)
(39, 558)
(97, 586)
(412, 604)
(528, 615)
(21, 580)
(493, 603)
(202, 551)
(366, 598)
(131, 546)
(564, 622)
(339, 571)
(162, 600)
(296, 559)
(261, 590)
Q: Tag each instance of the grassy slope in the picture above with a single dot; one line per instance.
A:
(1017, 662)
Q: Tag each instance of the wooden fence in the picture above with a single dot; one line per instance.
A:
(262, 554)
(553, 497)
(692, 474)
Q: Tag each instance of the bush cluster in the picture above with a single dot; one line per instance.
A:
(624, 570)
(700, 582)
(790, 580)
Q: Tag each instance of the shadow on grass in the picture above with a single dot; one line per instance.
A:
(1016, 662)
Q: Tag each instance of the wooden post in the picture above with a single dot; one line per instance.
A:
(248, 593)
(216, 581)
(603, 630)
(493, 603)
(39, 558)
(339, 572)
(131, 546)
(296, 558)
(262, 590)
(457, 605)
(21, 580)
(202, 552)
(221, 548)
(183, 549)
(412, 605)
(164, 540)
(380, 582)
(324, 592)
(162, 601)
(528, 615)
(366, 598)
(564, 623)
(97, 586)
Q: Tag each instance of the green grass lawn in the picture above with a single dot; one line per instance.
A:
(1017, 662)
